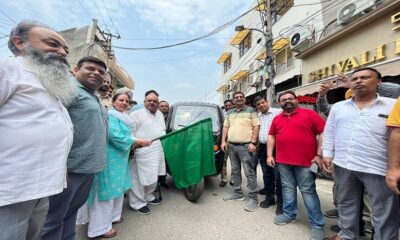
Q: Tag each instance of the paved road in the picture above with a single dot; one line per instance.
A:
(212, 218)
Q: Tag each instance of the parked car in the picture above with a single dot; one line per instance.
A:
(182, 114)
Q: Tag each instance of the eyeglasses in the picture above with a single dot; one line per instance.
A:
(287, 99)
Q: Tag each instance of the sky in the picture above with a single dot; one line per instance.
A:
(185, 73)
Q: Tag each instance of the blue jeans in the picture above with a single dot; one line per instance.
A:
(271, 177)
(301, 177)
(61, 219)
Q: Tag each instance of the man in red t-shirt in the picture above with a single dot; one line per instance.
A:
(296, 134)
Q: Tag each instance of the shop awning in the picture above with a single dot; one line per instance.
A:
(223, 88)
(240, 36)
(224, 56)
(261, 7)
(239, 75)
(261, 56)
(279, 44)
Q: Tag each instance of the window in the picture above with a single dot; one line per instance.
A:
(283, 60)
(227, 64)
(186, 115)
(244, 83)
(281, 6)
(245, 45)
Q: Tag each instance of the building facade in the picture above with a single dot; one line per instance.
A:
(313, 42)
(243, 57)
(368, 37)
(91, 41)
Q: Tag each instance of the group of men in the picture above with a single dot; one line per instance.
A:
(54, 136)
(359, 142)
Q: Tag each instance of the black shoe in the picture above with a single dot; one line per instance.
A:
(164, 184)
(231, 182)
(335, 228)
(266, 203)
(143, 211)
(262, 192)
(333, 213)
(278, 210)
(155, 202)
(223, 183)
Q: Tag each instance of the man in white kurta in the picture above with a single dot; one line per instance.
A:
(36, 130)
(148, 162)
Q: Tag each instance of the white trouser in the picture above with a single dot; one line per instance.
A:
(102, 214)
(139, 195)
(83, 215)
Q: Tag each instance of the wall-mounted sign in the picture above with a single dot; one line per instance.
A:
(307, 99)
(348, 64)
(360, 60)
(396, 21)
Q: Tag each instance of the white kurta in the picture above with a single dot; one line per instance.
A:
(149, 160)
(36, 136)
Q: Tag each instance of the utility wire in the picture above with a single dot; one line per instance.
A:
(189, 56)
(215, 31)
(84, 9)
(9, 18)
(98, 10)
(109, 15)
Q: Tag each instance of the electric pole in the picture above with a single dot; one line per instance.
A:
(269, 60)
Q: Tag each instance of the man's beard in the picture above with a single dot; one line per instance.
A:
(288, 106)
(53, 73)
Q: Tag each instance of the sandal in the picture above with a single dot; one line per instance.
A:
(110, 234)
(121, 220)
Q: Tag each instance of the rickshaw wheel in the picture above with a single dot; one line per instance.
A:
(193, 193)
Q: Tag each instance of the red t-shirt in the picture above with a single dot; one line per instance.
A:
(295, 135)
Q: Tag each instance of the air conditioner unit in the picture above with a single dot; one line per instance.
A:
(353, 10)
(231, 87)
(301, 39)
(255, 81)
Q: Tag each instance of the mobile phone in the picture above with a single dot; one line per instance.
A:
(314, 168)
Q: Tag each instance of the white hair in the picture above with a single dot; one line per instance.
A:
(53, 72)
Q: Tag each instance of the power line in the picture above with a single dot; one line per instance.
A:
(215, 31)
(174, 59)
(84, 9)
(98, 10)
(4, 21)
(112, 22)
(7, 16)
(313, 16)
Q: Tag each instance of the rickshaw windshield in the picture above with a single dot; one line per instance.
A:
(186, 115)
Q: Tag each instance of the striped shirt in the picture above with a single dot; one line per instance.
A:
(265, 123)
(357, 139)
(240, 124)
